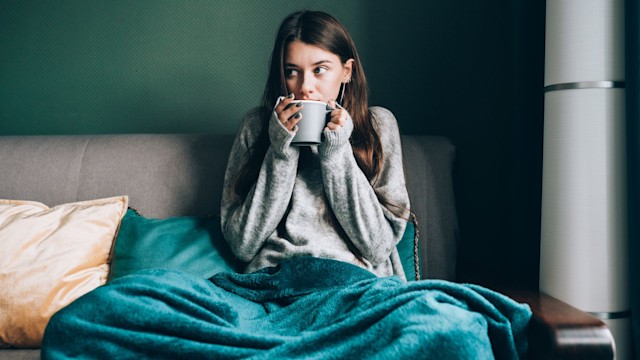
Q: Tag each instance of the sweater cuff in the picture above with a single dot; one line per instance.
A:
(281, 138)
(335, 140)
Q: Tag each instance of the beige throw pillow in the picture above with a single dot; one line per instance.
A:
(48, 258)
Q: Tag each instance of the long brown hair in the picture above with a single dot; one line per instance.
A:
(324, 31)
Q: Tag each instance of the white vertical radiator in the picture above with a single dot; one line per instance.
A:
(583, 250)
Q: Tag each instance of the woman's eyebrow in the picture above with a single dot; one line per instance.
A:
(314, 64)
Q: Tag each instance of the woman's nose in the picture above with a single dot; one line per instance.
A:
(307, 86)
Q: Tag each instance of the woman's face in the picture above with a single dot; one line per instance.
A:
(312, 73)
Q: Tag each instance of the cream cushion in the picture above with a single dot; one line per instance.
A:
(49, 257)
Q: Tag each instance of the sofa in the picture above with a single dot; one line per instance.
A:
(180, 175)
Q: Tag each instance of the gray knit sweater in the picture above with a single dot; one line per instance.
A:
(315, 201)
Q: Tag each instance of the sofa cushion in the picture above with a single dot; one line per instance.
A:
(49, 258)
(191, 244)
(195, 245)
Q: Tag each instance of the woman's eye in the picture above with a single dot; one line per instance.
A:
(320, 70)
(290, 72)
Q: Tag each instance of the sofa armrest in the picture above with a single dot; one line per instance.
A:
(561, 331)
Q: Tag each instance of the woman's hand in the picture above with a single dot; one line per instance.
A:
(339, 116)
(288, 113)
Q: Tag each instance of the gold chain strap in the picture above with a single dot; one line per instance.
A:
(416, 245)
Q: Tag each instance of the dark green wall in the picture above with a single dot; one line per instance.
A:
(470, 70)
(136, 66)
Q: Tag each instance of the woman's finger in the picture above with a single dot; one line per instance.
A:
(283, 104)
(339, 116)
(288, 112)
(333, 126)
(292, 121)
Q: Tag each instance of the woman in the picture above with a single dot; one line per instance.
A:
(344, 199)
(301, 218)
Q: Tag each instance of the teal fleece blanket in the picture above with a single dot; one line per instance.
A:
(304, 308)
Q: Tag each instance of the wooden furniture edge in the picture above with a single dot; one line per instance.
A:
(561, 331)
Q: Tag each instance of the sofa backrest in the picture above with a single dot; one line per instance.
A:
(182, 174)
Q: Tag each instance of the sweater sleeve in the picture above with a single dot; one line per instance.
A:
(247, 224)
(373, 229)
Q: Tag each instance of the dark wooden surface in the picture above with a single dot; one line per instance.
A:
(561, 331)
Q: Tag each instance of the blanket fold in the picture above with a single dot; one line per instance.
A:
(303, 308)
